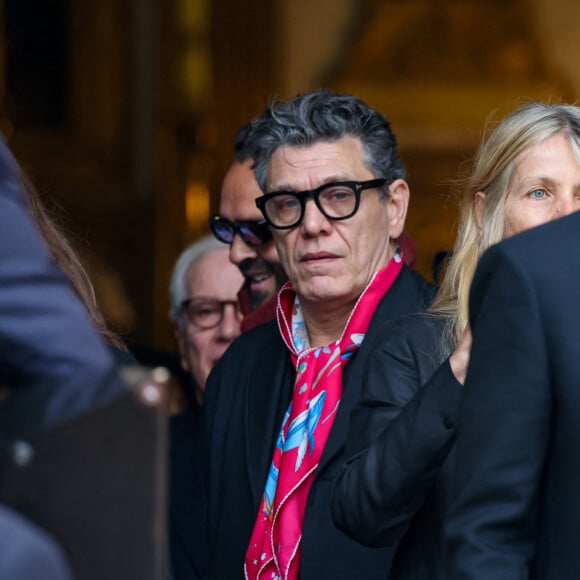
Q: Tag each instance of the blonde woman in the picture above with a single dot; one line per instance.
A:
(394, 489)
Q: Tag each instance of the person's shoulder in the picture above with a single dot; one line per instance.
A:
(9, 185)
(422, 324)
(262, 334)
(11, 194)
(540, 257)
(544, 243)
(252, 345)
(411, 280)
(420, 330)
(122, 357)
(410, 293)
(412, 341)
(250, 353)
(261, 331)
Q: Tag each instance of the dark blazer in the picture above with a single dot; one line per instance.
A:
(50, 354)
(394, 486)
(186, 505)
(246, 398)
(516, 512)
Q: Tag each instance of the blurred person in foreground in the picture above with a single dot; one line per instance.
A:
(54, 364)
(277, 404)
(396, 485)
(206, 316)
(515, 508)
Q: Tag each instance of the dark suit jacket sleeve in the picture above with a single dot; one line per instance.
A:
(503, 430)
(400, 436)
(51, 357)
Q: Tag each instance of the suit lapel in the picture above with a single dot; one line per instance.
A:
(269, 393)
(351, 391)
(401, 299)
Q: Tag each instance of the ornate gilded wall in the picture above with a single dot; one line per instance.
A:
(124, 113)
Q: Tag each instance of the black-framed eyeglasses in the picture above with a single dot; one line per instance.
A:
(254, 233)
(206, 313)
(336, 201)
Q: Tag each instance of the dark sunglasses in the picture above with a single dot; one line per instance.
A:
(254, 233)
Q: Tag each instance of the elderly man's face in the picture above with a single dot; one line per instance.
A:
(258, 264)
(211, 278)
(326, 260)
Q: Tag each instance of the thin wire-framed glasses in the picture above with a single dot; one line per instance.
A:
(206, 313)
(339, 200)
(254, 233)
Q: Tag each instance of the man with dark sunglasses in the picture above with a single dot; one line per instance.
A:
(278, 403)
(252, 250)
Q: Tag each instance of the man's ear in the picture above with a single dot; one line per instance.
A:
(479, 206)
(398, 203)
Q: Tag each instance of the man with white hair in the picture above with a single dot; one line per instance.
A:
(206, 316)
(204, 307)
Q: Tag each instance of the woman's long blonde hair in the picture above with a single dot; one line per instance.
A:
(493, 168)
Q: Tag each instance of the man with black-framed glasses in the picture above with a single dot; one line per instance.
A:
(206, 317)
(278, 403)
(241, 225)
(204, 308)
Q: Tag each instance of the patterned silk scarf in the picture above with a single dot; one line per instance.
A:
(274, 550)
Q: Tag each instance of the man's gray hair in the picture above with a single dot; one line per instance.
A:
(177, 290)
(323, 116)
